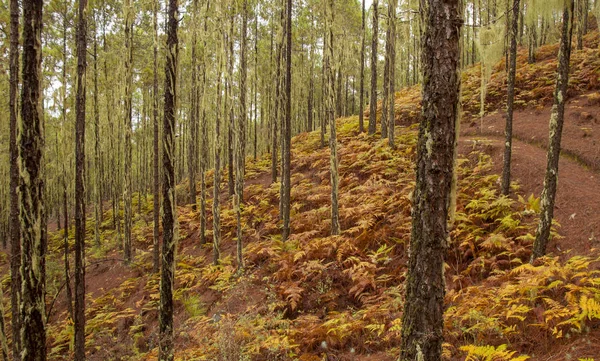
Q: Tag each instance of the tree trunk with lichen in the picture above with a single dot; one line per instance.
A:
(333, 158)
(155, 172)
(373, 101)
(128, 131)
(556, 125)
(512, 72)
(361, 102)
(392, 75)
(79, 309)
(422, 323)
(241, 139)
(31, 189)
(287, 126)
(14, 231)
(167, 275)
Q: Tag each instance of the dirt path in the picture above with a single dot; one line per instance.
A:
(578, 196)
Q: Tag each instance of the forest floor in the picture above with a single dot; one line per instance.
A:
(319, 297)
(577, 207)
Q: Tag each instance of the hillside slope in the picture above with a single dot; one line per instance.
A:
(341, 297)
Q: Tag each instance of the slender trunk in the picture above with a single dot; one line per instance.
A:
(155, 174)
(127, 184)
(241, 138)
(277, 108)
(373, 101)
(422, 336)
(97, 160)
(31, 189)
(556, 126)
(79, 314)
(167, 275)
(392, 74)
(217, 152)
(333, 158)
(204, 136)
(14, 226)
(256, 87)
(386, 81)
(192, 141)
(361, 103)
(287, 136)
(512, 70)
(229, 99)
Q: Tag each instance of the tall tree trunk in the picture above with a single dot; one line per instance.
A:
(193, 139)
(127, 185)
(167, 275)
(204, 136)
(386, 80)
(155, 191)
(229, 98)
(579, 18)
(79, 314)
(512, 71)
(241, 137)
(422, 323)
(287, 134)
(97, 173)
(333, 158)
(556, 126)
(14, 226)
(216, 209)
(392, 76)
(31, 189)
(373, 101)
(256, 87)
(361, 103)
(278, 105)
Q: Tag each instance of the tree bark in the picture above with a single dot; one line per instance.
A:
(127, 184)
(361, 103)
(31, 189)
(14, 226)
(422, 323)
(373, 101)
(167, 276)
(193, 139)
(241, 138)
(392, 75)
(556, 126)
(386, 81)
(79, 314)
(155, 191)
(333, 159)
(217, 153)
(512, 71)
(287, 134)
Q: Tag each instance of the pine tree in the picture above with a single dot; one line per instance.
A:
(167, 276)
(373, 101)
(392, 76)
(556, 125)
(193, 139)
(333, 159)
(31, 189)
(80, 196)
(512, 71)
(287, 131)
(422, 322)
(14, 226)
(155, 173)
(241, 137)
(128, 130)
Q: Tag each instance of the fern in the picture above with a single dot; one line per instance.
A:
(491, 353)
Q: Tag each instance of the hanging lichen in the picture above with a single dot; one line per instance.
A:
(490, 44)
